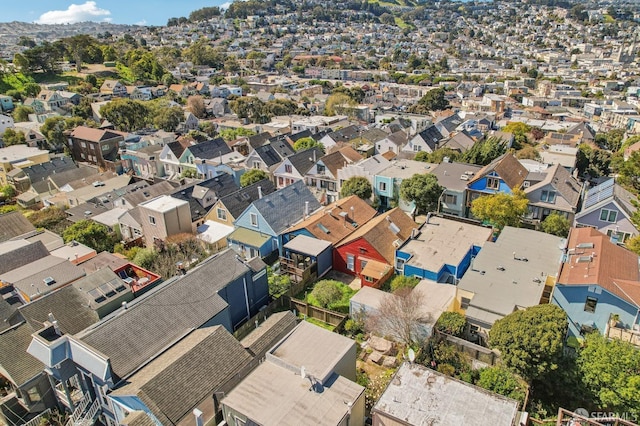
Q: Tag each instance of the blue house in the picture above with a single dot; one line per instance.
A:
(260, 227)
(599, 286)
(6, 103)
(304, 259)
(222, 291)
(442, 250)
(504, 174)
(608, 207)
(386, 183)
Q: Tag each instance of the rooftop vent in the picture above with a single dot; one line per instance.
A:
(49, 281)
(98, 183)
(464, 177)
(584, 245)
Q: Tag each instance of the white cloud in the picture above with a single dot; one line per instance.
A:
(141, 23)
(225, 5)
(88, 11)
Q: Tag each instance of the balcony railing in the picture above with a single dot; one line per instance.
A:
(37, 421)
(75, 391)
(297, 271)
(624, 334)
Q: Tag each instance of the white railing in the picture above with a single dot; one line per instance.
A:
(79, 411)
(87, 419)
(36, 420)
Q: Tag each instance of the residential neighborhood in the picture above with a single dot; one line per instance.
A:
(322, 213)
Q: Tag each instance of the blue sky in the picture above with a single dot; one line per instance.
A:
(143, 12)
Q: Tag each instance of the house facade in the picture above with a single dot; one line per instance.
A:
(95, 146)
(162, 217)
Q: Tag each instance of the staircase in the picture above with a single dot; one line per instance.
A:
(85, 413)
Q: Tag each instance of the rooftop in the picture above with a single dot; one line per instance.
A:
(455, 176)
(403, 169)
(420, 396)
(444, 241)
(511, 273)
(307, 245)
(163, 204)
(15, 153)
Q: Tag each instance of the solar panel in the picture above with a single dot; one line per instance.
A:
(599, 193)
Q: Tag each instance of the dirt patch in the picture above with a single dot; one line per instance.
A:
(350, 280)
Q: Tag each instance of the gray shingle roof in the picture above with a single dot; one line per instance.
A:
(268, 154)
(282, 147)
(149, 192)
(21, 256)
(138, 418)
(14, 359)
(61, 179)
(6, 312)
(221, 185)
(238, 201)
(431, 136)
(13, 224)
(132, 336)
(269, 333)
(285, 207)
(41, 171)
(210, 149)
(68, 306)
(303, 161)
(173, 383)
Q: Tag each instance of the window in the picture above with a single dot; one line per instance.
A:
(608, 215)
(493, 183)
(382, 186)
(400, 264)
(254, 219)
(450, 199)
(288, 168)
(321, 169)
(222, 214)
(280, 181)
(83, 144)
(417, 148)
(464, 302)
(34, 395)
(590, 304)
(548, 197)
(368, 279)
(363, 263)
(256, 164)
(526, 184)
(106, 147)
(351, 262)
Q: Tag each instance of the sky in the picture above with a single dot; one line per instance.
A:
(141, 12)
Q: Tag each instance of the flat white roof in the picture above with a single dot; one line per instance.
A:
(15, 153)
(163, 203)
(212, 232)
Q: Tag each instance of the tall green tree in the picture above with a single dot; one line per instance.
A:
(610, 369)
(307, 143)
(484, 152)
(503, 382)
(356, 185)
(433, 100)
(168, 118)
(531, 341)
(556, 224)
(500, 209)
(126, 114)
(21, 113)
(13, 137)
(91, 234)
(423, 190)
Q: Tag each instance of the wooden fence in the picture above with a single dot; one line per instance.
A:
(278, 304)
(328, 316)
(477, 352)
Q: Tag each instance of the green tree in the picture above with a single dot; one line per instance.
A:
(307, 143)
(21, 113)
(520, 132)
(250, 108)
(500, 209)
(7, 191)
(91, 234)
(403, 281)
(633, 244)
(451, 323)
(484, 152)
(278, 284)
(612, 140)
(433, 100)
(610, 369)
(531, 340)
(423, 190)
(13, 137)
(145, 257)
(232, 134)
(326, 292)
(438, 155)
(556, 224)
(47, 218)
(356, 185)
(252, 176)
(31, 89)
(503, 382)
(168, 118)
(83, 109)
(629, 173)
(593, 161)
(338, 103)
(53, 130)
(126, 114)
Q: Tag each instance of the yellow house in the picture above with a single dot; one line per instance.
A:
(18, 157)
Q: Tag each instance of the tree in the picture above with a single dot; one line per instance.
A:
(12, 137)
(519, 131)
(629, 172)
(53, 130)
(307, 143)
(356, 185)
(612, 140)
(633, 244)
(503, 382)
(47, 218)
(232, 134)
(593, 162)
(438, 155)
(451, 323)
(403, 281)
(531, 341)
(484, 152)
(278, 284)
(31, 89)
(252, 176)
(91, 234)
(126, 114)
(168, 118)
(433, 100)
(610, 370)
(21, 113)
(500, 209)
(400, 315)
(338, 103)
(250, 108)
(556, 224)
(326, 292)
(195, 104)
(78, 47)
(7, 191)
(423, 190)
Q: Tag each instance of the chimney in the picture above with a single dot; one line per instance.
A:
(353, 215)
(259, 192)
(306, 209)
(314, 155)
(124, 305)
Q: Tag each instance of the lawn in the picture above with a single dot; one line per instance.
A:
(320, 323)
(340, 303)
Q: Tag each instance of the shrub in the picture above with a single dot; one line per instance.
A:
(326, 292)
(402, 281)
(451, 323)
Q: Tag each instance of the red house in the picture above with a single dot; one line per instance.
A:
(370, 251)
